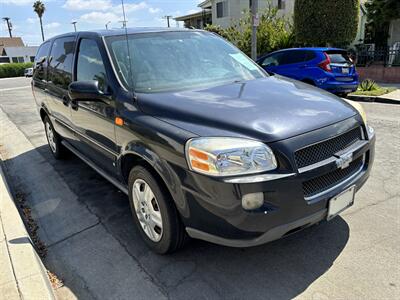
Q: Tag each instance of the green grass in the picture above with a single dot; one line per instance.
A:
(378, 92)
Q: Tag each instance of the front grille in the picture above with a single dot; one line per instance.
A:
(325, 149)
(322, 183)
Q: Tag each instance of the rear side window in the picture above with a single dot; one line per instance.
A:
(292, 57)
(40, 61)
(90, 64)
(61, 58)
(338, 57)
(309, 55)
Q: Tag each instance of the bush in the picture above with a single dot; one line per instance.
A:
(13, 69)
(273, 33)
(326, 22)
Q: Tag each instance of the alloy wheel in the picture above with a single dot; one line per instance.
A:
(147, 210)
(51, 137)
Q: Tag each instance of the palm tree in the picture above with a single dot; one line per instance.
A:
(39, 8)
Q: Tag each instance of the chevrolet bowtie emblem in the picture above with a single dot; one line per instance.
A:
(344, 160)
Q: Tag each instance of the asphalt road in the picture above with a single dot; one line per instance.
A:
(92, 244)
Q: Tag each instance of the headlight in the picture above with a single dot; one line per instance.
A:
(359, 108)
(361, 111)
(223, 156)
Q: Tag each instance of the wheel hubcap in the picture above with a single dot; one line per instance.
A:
(50, 137)
(147, 210)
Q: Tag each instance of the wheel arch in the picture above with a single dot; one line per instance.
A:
(160, 169)
(43, 112)
(309, 81)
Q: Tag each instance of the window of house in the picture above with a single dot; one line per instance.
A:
(18, 59)
(4, 59)
(222, 9)
(90, 64)
(60, 65)
(281, 4)
(32, 58)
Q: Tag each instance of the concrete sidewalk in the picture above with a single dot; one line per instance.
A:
(389, 98)
(22, 274)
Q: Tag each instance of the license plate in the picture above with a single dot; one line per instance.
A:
(345, 70)
(340, 202)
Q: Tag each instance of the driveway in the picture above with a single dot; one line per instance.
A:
(94, 248)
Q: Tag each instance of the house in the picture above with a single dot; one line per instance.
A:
(223, 12)
(14, 50)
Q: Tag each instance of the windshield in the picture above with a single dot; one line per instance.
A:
(168, 61)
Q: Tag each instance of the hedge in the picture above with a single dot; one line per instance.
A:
(326, 22)
(13, 69)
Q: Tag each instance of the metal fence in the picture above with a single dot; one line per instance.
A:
(378, 56)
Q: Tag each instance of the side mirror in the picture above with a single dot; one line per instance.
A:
(40, 62)
(85, 90)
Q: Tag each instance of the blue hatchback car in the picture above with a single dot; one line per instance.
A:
(330, 69)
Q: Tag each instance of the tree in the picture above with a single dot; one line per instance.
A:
(379, 15)
(326, 22)
(39, 9)
(273, 32)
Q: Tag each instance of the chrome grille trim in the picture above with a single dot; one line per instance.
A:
(322, 150)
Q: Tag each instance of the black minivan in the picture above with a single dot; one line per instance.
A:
(203, 141)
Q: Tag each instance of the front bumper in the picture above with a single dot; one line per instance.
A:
(214, 212)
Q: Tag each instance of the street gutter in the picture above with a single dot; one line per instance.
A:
(378, 99)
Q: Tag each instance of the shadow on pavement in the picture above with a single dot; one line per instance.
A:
(279, 270)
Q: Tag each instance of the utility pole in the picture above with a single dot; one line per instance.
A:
(9, 25)
(168, 17)
(107, 24)
(74, 23)
(255, 23)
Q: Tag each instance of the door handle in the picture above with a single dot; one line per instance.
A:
(74, 105)
(65, 101)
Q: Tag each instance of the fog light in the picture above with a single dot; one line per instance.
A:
(252, 201)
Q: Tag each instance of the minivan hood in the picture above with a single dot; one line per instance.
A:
(268, 109)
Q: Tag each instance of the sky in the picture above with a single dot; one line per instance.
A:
(89, 14)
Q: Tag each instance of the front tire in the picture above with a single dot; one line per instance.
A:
(154, 212)
(54, 140)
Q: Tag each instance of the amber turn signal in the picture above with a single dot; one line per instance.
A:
(119, 121)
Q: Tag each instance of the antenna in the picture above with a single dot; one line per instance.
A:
(127, 46)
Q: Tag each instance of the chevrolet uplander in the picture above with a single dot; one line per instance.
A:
(203, 141)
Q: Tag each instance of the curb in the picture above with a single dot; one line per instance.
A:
(377, 99)
(23, 275)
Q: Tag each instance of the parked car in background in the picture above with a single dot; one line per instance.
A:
(330, 69)
(28, 72)
(203, 141)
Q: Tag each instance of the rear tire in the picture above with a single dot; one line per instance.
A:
(154, 212)
(54, 140)
(309, 81)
